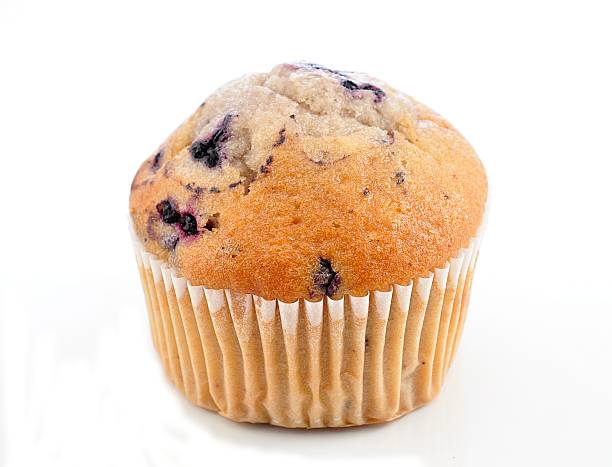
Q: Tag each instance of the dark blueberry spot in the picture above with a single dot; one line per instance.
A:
(198, 190)
(446, 196)
(325, 279)
(350, 85)
(264, 169)
(155, 163)
(281, 138)
(235, 184)
(168, 212)
(347, 83)
(378, 93)
(366, 192)
(209, 150)
(214, 189)
(292, 116)
(400, 177)
(188, 224)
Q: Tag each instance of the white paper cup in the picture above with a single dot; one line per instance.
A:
(331, 363)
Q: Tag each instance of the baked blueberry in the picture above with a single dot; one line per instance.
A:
(167, 212)
(264, 169)
(352, 86)
(281, 138)
(209, 150)
(198, 190)
(325, 279)
(156, 161)
(188, 224)
(378, 93)
(347, 83)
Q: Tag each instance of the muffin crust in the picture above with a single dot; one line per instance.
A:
(305, 182)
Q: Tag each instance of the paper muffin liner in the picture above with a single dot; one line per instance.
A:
(330, 363)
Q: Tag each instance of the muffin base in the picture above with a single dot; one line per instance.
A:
(331, 363)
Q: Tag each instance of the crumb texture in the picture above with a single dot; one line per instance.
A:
(307, 181)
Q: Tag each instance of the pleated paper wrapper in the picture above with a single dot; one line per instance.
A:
(330, 363)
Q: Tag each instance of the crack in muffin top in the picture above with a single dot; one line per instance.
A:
(308, 181)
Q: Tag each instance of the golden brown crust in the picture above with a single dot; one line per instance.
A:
(378, 212)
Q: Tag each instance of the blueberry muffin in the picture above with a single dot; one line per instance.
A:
(306, 242)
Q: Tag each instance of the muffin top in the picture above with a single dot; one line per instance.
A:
(307, 181)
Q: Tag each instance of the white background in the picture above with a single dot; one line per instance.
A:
(87, 91)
